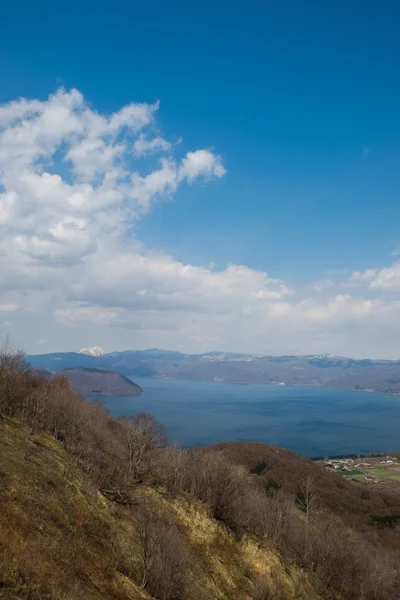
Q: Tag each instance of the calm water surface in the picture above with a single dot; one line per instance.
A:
(307, 420)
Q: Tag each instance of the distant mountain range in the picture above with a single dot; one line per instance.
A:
(323, 370)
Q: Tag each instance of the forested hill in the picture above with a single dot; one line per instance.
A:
(316, 371)
(92, 380)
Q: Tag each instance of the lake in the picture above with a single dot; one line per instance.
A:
(310, 421)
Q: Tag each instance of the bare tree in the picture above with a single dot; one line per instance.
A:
(306, 501)
(12, 373)
(10, 358)
(141, 435)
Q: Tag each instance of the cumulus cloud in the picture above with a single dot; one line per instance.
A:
(71, 191)
(200, 163)
(68, 177)
(387, 278)
(67, 180)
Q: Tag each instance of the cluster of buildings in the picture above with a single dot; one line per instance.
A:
(343, 464)
(350, 464)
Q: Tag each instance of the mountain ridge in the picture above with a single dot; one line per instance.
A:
(314, 370)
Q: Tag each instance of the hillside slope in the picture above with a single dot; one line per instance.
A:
(103, 508)
(60, 538)
(283, 469)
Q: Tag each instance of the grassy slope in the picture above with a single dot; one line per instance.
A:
(61, 539)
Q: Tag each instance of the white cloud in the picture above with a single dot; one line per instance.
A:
(136, 279)
(68, 180)
(387, 278)
(201, 163)
(363, 276)
(143, 146)
(6, 324)
(71, 192)
(160, 182)
(344, 325)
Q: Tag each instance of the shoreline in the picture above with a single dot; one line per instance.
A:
(281, 384)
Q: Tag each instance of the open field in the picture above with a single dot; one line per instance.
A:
(393, 474)
(381, 472)
(378, 477)
(370, 470)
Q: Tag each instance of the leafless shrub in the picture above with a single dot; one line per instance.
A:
(166, 562)
(222, 486)
(346, 562)
(171, 467)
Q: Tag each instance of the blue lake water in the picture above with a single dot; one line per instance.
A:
(309, 421)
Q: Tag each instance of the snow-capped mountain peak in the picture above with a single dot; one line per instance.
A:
(92, 351)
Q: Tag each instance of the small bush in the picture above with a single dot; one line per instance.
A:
(272, 487)
(259, 468)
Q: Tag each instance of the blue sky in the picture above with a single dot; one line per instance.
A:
(297, 102)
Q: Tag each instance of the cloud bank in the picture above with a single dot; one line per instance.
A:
(73, 183)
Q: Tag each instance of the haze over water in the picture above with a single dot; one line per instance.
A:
(310, 421)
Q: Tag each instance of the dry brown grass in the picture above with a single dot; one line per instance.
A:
(60, 539)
